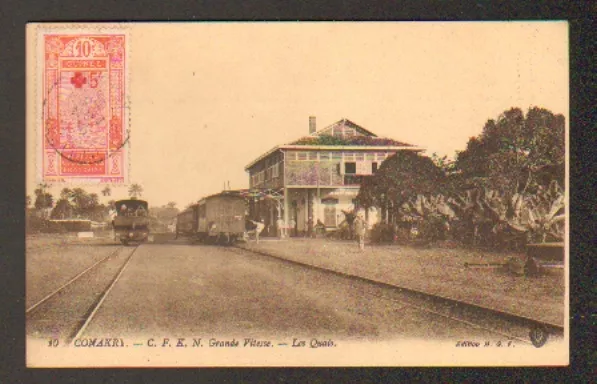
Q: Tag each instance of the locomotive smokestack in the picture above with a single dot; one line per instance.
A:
(312, 125)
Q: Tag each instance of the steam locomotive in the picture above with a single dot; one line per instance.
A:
(131, 223)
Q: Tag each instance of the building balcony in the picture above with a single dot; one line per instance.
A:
(353, 180)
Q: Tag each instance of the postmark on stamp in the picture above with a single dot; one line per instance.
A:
(82, 115)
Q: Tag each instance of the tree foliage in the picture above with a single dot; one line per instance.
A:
(43, 199)
(516, 153)
(503, 190)
(135, 191)
(79, 203)
(401, 177)
(107, 191)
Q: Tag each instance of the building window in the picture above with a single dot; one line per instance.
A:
(381, 156)
(336, 155)
(352, 180)
(349, 156)
(324, 156)
(360, 156)
(302, 156)
(370, 156)
(350, 168)
(290, 155)
(374, 167)
(276, 170)
(312, 155)
(259, 178)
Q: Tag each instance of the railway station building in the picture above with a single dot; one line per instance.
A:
(311, 181)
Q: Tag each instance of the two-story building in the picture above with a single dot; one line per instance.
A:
(315, 178)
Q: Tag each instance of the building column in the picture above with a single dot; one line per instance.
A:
(286, 209)
(309, 212)
(318, 213)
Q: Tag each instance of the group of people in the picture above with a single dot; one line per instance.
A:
(129, 211)
(359, 226)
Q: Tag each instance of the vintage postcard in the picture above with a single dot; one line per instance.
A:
(297, 194)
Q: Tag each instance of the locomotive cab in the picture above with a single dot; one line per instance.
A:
(131, 223)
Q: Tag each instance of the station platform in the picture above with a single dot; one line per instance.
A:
(439, 271)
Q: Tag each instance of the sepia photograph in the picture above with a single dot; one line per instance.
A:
(297, 194)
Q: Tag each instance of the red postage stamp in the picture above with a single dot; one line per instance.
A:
(84, 114)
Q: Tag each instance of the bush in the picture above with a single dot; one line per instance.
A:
(382, 233)
(34, 224)
(433, 228)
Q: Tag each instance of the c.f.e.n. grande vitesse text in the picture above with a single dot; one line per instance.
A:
(195, 342)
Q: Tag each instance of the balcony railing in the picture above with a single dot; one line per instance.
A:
(353, 180)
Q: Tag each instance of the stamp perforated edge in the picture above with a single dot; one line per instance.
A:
(76, 28)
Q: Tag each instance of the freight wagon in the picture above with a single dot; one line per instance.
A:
(214, 219)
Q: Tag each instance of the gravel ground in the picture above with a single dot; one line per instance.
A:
(178, 290)
(62, 315)
(436, 271)
(52, 260)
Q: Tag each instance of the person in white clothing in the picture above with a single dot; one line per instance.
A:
(259, 226)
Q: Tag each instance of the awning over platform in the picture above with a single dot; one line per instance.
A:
(258, 193)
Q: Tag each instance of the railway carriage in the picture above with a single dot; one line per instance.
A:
(214, 219)
(131, 223)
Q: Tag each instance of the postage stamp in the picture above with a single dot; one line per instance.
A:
(82, 125)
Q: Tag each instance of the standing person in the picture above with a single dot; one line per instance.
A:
(360, 227)
(140, 211)
(292, 227)
(258, 228)
(280, 225)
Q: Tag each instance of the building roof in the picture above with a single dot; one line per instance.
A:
(323, 140)
(327, 130)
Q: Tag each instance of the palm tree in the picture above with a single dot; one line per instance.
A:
(135, 191)
(107, 191)
(80, 199)
(93, 207)
(41, 189)
(43, 200)
(171, 204)
(62, 210)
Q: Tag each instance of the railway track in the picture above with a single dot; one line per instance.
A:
(500, 323)
(65, 313)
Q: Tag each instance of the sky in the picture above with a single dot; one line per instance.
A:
(208, 98)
